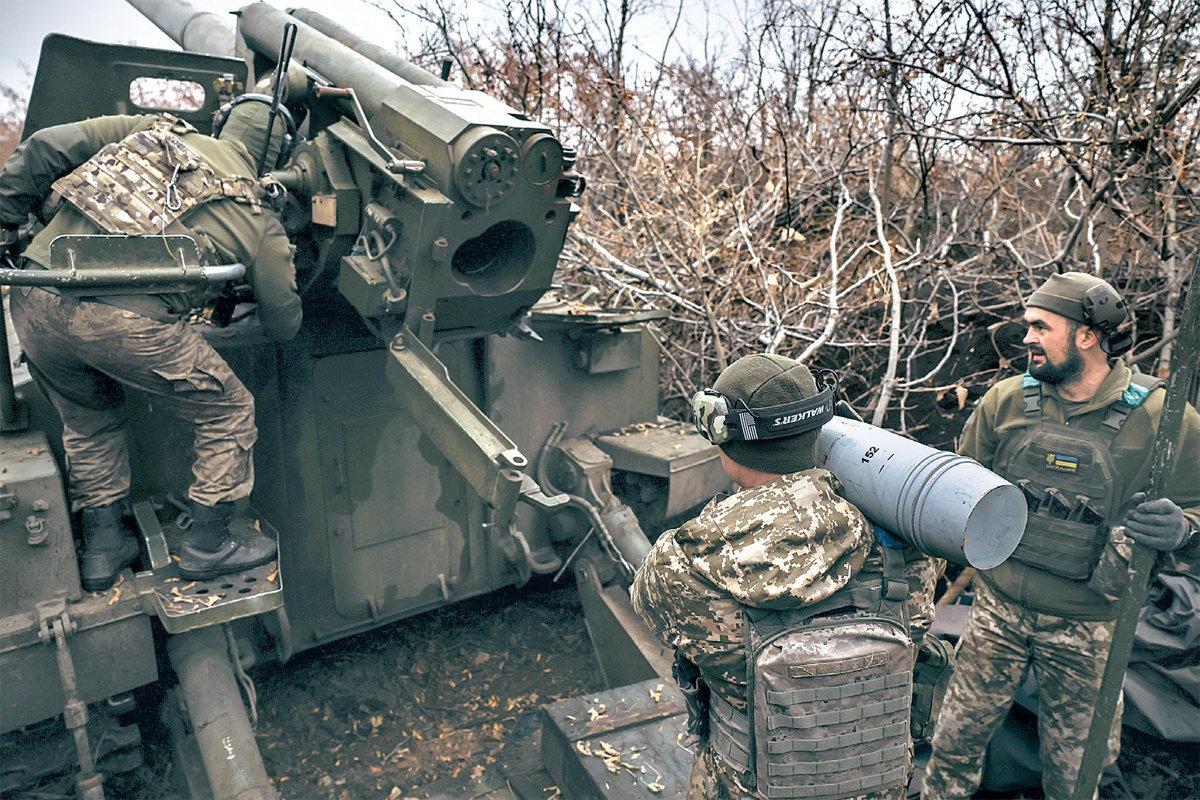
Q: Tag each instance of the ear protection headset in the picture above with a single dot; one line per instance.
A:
(1104, 310)
(289, 136)
(721, 420)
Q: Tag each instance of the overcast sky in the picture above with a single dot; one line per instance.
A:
(23, 24)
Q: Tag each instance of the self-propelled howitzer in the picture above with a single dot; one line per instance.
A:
(433, 387)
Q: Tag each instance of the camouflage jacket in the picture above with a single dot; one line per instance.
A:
(784, 544)
(232, 231)
(999, 422)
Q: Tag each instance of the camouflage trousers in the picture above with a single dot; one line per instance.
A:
(85, 354)
(1001, 640)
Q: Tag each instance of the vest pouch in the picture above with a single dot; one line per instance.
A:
(1064, 547)
(934, 666)
(831, 706)
(1110, 578)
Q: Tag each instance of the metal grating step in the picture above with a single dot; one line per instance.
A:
(182, 604)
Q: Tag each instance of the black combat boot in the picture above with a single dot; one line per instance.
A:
(209, 548)
(109, 547)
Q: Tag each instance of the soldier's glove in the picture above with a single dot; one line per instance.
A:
(1157, 523)
(844, 409)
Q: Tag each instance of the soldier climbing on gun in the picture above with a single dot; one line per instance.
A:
(151, 176)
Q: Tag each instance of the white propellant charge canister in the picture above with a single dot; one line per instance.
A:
(945, 504)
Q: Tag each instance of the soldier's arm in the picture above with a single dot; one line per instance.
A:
(273, 278)
(978, 439)
(51, 153)
(655, 588)
(922, 572)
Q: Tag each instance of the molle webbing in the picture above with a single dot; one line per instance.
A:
(1070, 481)
(803, 722)
(865, 736)
(145, 182)
(829, 686)
(729, 733)
(892, 753)
(833, 692)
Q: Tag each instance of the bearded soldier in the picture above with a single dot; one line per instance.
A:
(785, 606)
(1076, 434)
(150, 176)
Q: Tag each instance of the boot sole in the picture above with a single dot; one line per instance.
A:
(217, 571)
(99, 586)
(106, 583)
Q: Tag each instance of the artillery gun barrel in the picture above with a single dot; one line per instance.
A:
(194, 30)
(261, 25)
(393, 62)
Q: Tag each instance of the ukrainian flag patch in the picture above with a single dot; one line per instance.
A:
(1062, 463)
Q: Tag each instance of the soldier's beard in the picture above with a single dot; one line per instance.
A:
(1067, 371)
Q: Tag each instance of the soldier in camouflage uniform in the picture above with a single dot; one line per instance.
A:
(1075, 433)
(147, 175)
(785, 541)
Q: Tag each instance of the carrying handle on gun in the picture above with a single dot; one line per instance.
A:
(281, 68)
(393, 164)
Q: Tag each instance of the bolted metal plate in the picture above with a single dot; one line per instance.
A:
(620, 743)
(108, 251)
(671, 450)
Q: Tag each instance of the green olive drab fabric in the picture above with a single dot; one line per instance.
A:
(999, 423)
(227, 228)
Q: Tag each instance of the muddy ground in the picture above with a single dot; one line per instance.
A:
(435, 697)
(422, 700)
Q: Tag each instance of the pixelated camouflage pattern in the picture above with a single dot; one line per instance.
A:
(84, 353)
(786, 543)
(922, 572)
(709, 412)
(703, 783)
(1001, 640)
(1110, 578)
(148, 180)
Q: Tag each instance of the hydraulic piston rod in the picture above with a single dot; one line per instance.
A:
(214, 704)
